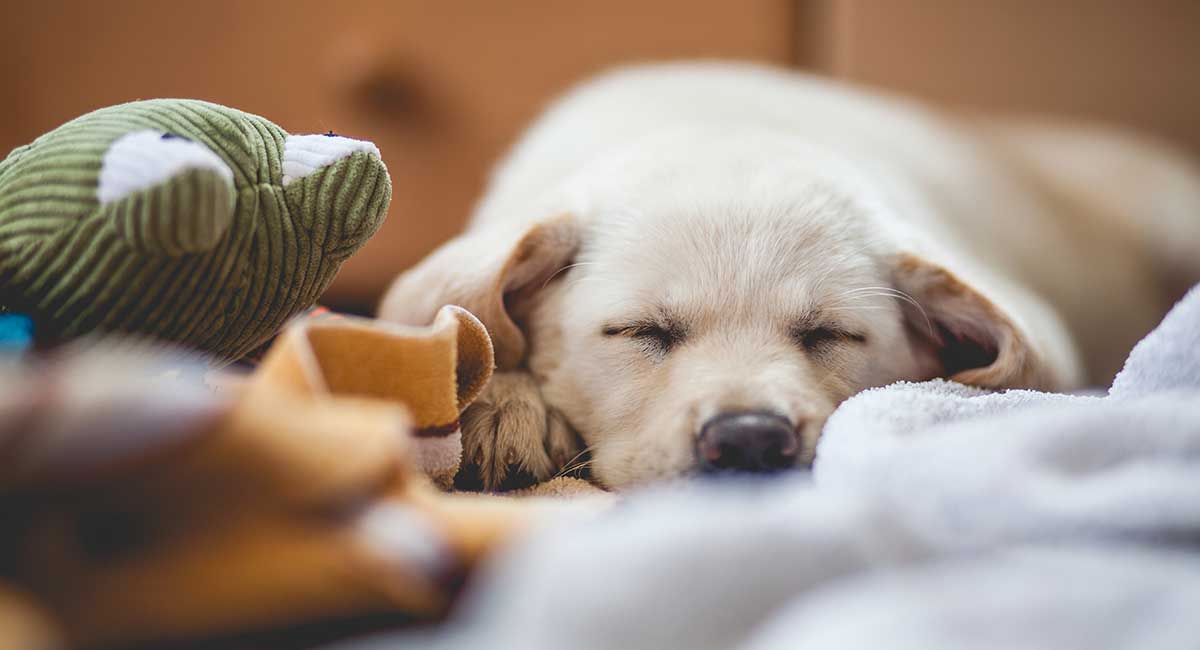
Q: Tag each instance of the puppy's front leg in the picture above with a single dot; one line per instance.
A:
(509, 429)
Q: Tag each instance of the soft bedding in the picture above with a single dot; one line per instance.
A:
(936, 516)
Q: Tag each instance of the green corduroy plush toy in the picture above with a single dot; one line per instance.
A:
(182, 220)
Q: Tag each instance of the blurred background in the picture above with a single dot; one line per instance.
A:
(444, 86)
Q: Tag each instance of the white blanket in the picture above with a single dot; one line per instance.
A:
(936, 516)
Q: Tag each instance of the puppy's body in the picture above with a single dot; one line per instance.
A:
(671, 243)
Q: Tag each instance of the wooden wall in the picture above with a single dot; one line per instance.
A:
(444, 86)
(1133, 62)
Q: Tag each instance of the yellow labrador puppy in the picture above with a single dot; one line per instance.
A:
(691, 265)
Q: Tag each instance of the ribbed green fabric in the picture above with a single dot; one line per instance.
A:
(192, 259)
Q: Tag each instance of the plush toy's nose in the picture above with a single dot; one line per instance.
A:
(338, 188)
(305, 154)
(747, 441)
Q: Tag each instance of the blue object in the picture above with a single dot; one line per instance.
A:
(16, 333)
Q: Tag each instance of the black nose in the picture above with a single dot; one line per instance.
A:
(749, 441)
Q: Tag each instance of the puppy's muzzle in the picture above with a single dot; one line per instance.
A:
(747, 441)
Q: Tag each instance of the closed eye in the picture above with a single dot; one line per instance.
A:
(659, 338)
(816, 338)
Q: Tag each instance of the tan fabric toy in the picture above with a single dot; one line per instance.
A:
(357, 357)
(140, 506)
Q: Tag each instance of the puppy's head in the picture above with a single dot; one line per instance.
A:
(684, 336)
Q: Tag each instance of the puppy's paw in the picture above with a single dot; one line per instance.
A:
(562, 443)
(509, 431)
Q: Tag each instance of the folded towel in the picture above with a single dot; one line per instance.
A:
(1167, 360)
(976, 468)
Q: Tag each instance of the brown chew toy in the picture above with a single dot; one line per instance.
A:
(141, 507)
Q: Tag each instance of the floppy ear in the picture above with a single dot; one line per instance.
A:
(962, 335)
(490, 273)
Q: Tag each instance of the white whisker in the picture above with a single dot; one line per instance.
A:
(564, 270)
(888, 292)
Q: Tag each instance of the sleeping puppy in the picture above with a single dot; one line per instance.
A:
(691, 265)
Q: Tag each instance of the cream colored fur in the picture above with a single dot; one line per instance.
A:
(756, 211)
